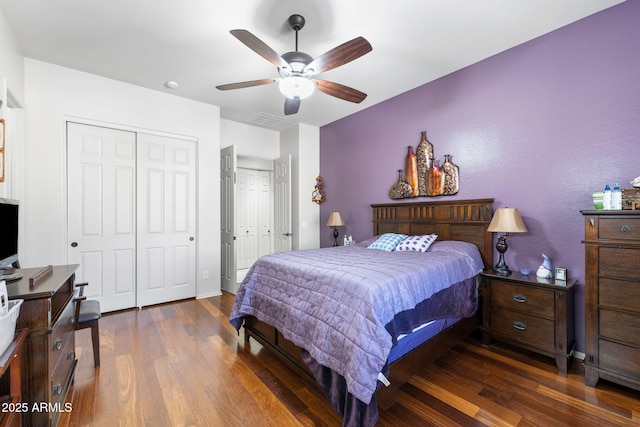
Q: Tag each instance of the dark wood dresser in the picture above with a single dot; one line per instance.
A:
(612, 296)
(49, 358)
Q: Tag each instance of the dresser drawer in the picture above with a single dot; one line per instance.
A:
(619, 358)
(620, 294)
(538, 302)
(622, 263)
(61, 333)
(618, 326)
(60, 376)
(619, 229)
(523, 328)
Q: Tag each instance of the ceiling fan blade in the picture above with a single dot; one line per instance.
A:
(340, 55)
(291, 106)
(259, 47)
(240, 85)
(340, 91)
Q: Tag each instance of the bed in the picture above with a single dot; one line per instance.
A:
(348, 317)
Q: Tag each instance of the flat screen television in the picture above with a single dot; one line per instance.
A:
(8, 234)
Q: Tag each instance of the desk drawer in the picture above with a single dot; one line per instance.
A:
(523, 328)
(60, 376)
(533, 301)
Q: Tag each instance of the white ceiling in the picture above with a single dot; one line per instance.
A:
(147, 42)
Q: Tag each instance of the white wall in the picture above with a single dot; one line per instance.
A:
(250, 140)
(303, 143)
(55, 94)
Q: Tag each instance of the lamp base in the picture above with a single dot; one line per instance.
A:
(335, 236)
(501, 246)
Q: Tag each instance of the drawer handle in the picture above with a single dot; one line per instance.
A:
(57, 389)
(57, 344)
(625, 229)
(71, 355)
(521, 326)
(519, 298)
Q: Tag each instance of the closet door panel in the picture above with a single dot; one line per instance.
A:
(101, 226)
(166, 246)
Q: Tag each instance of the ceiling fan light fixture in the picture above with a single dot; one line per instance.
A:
(296, 86)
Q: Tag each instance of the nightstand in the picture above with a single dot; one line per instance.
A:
(529, 312)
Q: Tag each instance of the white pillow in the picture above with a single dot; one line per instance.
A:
(417, 243)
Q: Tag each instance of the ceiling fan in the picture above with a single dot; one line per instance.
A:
(297, 68)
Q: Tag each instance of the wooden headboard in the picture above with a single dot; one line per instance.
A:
(465, 220)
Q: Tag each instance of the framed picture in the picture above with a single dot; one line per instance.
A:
(561, 273)
(2, 156)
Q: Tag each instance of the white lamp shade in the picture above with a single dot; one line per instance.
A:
(335, 219)
(507, 220)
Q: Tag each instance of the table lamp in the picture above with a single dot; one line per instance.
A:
(505, 220)
(335, 221)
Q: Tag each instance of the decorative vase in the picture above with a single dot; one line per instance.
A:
(435, 179)
(451, 177)
(424, 154)
(411, 171)
(400, 190)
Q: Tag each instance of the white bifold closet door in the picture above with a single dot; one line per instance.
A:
(254, 195)
(131, 215)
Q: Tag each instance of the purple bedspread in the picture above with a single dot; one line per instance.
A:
(335, 302)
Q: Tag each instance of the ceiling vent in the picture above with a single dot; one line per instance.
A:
(266, 120)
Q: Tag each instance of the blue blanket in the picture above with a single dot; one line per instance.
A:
(336, 302)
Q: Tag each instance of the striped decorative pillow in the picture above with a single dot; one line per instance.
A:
(417, 243)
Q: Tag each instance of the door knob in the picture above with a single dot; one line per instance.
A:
(74, 244)
(191, 239)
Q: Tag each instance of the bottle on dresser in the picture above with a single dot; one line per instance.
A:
(606, 198)
(616, 198)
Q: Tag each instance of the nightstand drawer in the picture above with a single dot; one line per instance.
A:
(530, 330)
(538, 302)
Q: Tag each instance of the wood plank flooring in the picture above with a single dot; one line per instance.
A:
(183, 364)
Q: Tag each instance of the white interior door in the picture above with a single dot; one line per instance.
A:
(265, 215)
(282, 204)
(227, 218)
(166, 247)
(101, 189)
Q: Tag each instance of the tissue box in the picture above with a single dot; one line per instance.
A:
(8, 323)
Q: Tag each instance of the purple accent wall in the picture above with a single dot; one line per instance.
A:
(538, 127)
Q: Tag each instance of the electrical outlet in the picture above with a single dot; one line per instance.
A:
(205, 274)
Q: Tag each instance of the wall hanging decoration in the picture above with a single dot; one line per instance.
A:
(411, 171)
(424, 154)
(401, 189)
(318, 196)
(423, 175)
(435, 179)
(451, 177)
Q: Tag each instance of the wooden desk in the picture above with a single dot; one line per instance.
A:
(49, 361)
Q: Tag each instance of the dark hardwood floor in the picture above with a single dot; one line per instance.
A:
(182, 364)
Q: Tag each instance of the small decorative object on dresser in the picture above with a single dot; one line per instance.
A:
(529, 312)
(612, 297)
(561, 273)
(544, 271)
